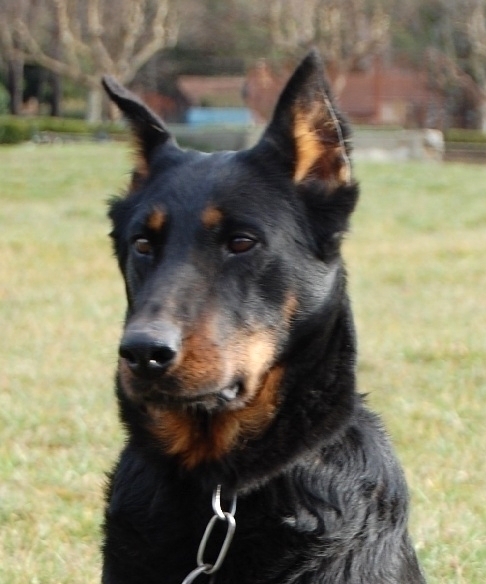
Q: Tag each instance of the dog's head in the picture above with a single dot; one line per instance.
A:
(230, 259)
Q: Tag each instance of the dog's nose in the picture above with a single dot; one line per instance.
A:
(149, 353)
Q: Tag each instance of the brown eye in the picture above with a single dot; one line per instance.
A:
(143, 246)
(240, 244)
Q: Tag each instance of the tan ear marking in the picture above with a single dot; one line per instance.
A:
(140, 169)
(141, 164)
(320, 148)
(308, 147)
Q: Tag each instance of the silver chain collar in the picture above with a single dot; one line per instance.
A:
(219, 515)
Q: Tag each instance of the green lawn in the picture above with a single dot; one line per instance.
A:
(416, 256)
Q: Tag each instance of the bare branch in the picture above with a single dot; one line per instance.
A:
(6, 37)
(476, 29)
(292, 23)
(32, 49)
(101, 58)
(67, 39)
(164, 31)
(133, 21)
(442, 61)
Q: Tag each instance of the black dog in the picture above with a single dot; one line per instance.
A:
(237, 365)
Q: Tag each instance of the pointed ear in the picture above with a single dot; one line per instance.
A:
(308, 130)
(148, 129)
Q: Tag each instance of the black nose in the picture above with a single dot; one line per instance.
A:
(149, 353)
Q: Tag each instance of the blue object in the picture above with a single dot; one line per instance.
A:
(201, 116)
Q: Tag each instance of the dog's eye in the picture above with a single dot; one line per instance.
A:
(143, 246)
(240, 244)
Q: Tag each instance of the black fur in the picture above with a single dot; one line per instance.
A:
(321, 497)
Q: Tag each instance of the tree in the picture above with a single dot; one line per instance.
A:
(84, 39)
(347, 32)
(474, 29)
(448, 37)
(12, 53)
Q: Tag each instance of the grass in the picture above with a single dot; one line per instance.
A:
(416, 262)
(418, 281)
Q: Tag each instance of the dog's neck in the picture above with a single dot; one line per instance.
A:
(318, 400)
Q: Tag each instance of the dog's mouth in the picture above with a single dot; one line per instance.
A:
(172, 393)
(231, 397)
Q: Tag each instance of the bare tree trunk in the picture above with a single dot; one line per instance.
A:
(94, 108)
(54, 77)
(340, 83)
(483, 115)
(56, 94)
(15, 84)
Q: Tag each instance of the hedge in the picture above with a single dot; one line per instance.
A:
(465, 136)
(16, 129)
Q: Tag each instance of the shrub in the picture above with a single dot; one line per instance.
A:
(461, 135)
(4, 99)
(15, 129)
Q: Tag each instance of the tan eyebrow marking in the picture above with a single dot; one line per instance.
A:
(211, 217)
(156, 220)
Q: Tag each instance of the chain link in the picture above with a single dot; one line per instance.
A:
(219, 515)
(217, 504)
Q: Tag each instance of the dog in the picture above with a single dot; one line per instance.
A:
(250, 456)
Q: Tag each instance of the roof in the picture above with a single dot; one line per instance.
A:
(201, 90)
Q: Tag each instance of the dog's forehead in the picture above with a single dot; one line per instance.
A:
(192, 173)
(198, 181)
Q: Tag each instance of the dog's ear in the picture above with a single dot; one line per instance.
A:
(307, 129)
(148, 129)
